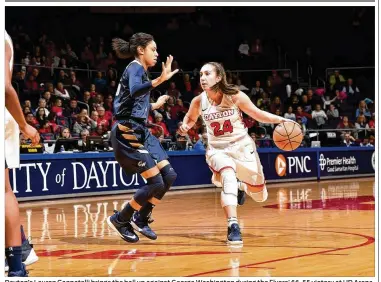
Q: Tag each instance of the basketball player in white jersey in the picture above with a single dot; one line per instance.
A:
(14, 123)
(231, 152)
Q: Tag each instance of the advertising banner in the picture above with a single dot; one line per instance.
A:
(346, 163)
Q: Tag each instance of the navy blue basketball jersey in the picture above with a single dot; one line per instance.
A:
(132, 98)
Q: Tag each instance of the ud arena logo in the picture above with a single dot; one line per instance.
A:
(280, 165)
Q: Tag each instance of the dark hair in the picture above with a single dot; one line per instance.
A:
(125, 50)
(222, 85)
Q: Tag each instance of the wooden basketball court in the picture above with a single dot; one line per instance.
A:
(304, 229)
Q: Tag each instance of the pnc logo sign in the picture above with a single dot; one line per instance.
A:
(292, 165)
(280, 165)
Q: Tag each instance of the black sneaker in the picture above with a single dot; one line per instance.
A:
(123, 229)
(20, 273)
(241, 195)
(234, 235)
(141, 225)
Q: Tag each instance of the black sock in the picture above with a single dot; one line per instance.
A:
(14, 258)
(126, 214)
(23, 237)
(146, 210)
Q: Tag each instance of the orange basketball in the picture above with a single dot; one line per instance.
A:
(287, 136)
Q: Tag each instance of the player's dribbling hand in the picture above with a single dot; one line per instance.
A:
(290, 120)
(167, 72)
(31, 133)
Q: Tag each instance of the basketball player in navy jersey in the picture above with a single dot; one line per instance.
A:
(135, 148)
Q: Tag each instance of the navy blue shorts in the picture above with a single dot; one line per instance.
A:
(135, 148)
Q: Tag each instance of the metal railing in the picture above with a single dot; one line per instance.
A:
(329, 71)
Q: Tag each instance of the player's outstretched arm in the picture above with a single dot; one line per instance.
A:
(192, 115)
(160, 102)
(245, 104)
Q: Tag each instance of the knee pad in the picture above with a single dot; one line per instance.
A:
(229, 188)
(169, 176)
(154, 186)
(259, 196)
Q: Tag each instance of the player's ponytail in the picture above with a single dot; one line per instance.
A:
(223, 86)
(125, 50)
(121, 48)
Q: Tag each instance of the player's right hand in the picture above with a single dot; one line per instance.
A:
(31, 133)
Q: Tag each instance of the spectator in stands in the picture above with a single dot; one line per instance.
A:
(41, 116)
(74, 82)
(257, 90)
(350, 89)
(65, 133)
(319, 116)
(108, 103)
(198, 90)
(345, 124)
(100, 130)
(42, 105)
(178, 111)
(365, 143)
(36, 75)
(31, 85)
(100, 82)
(173, 91)
(372, 124)
(69, 52)
(26, 110)
(96, 102)
(327, 101)
(61, 92)
(303, 116)
(336, 80)
(87, 97)
(84, 134)
(87, 56)
(264, 102)
(363, 109)
(111, 88)
(362, 127)
(302, 124)
(241, 87)
(249, 122)
(348, 141)
(73, 110)
(275, 80)
(47, 96)
(332, 112)
(45, 127)
(93, 91)
(278, 112)
(276, 104)
(31, 120)
(159, 121)
(290, 114)
(57, 107)
(84, 122)
(202, 143)
(104, 116)
(63, 78)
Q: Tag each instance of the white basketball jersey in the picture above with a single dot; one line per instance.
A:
(12, 131)
(224, 123)
(8, 116)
